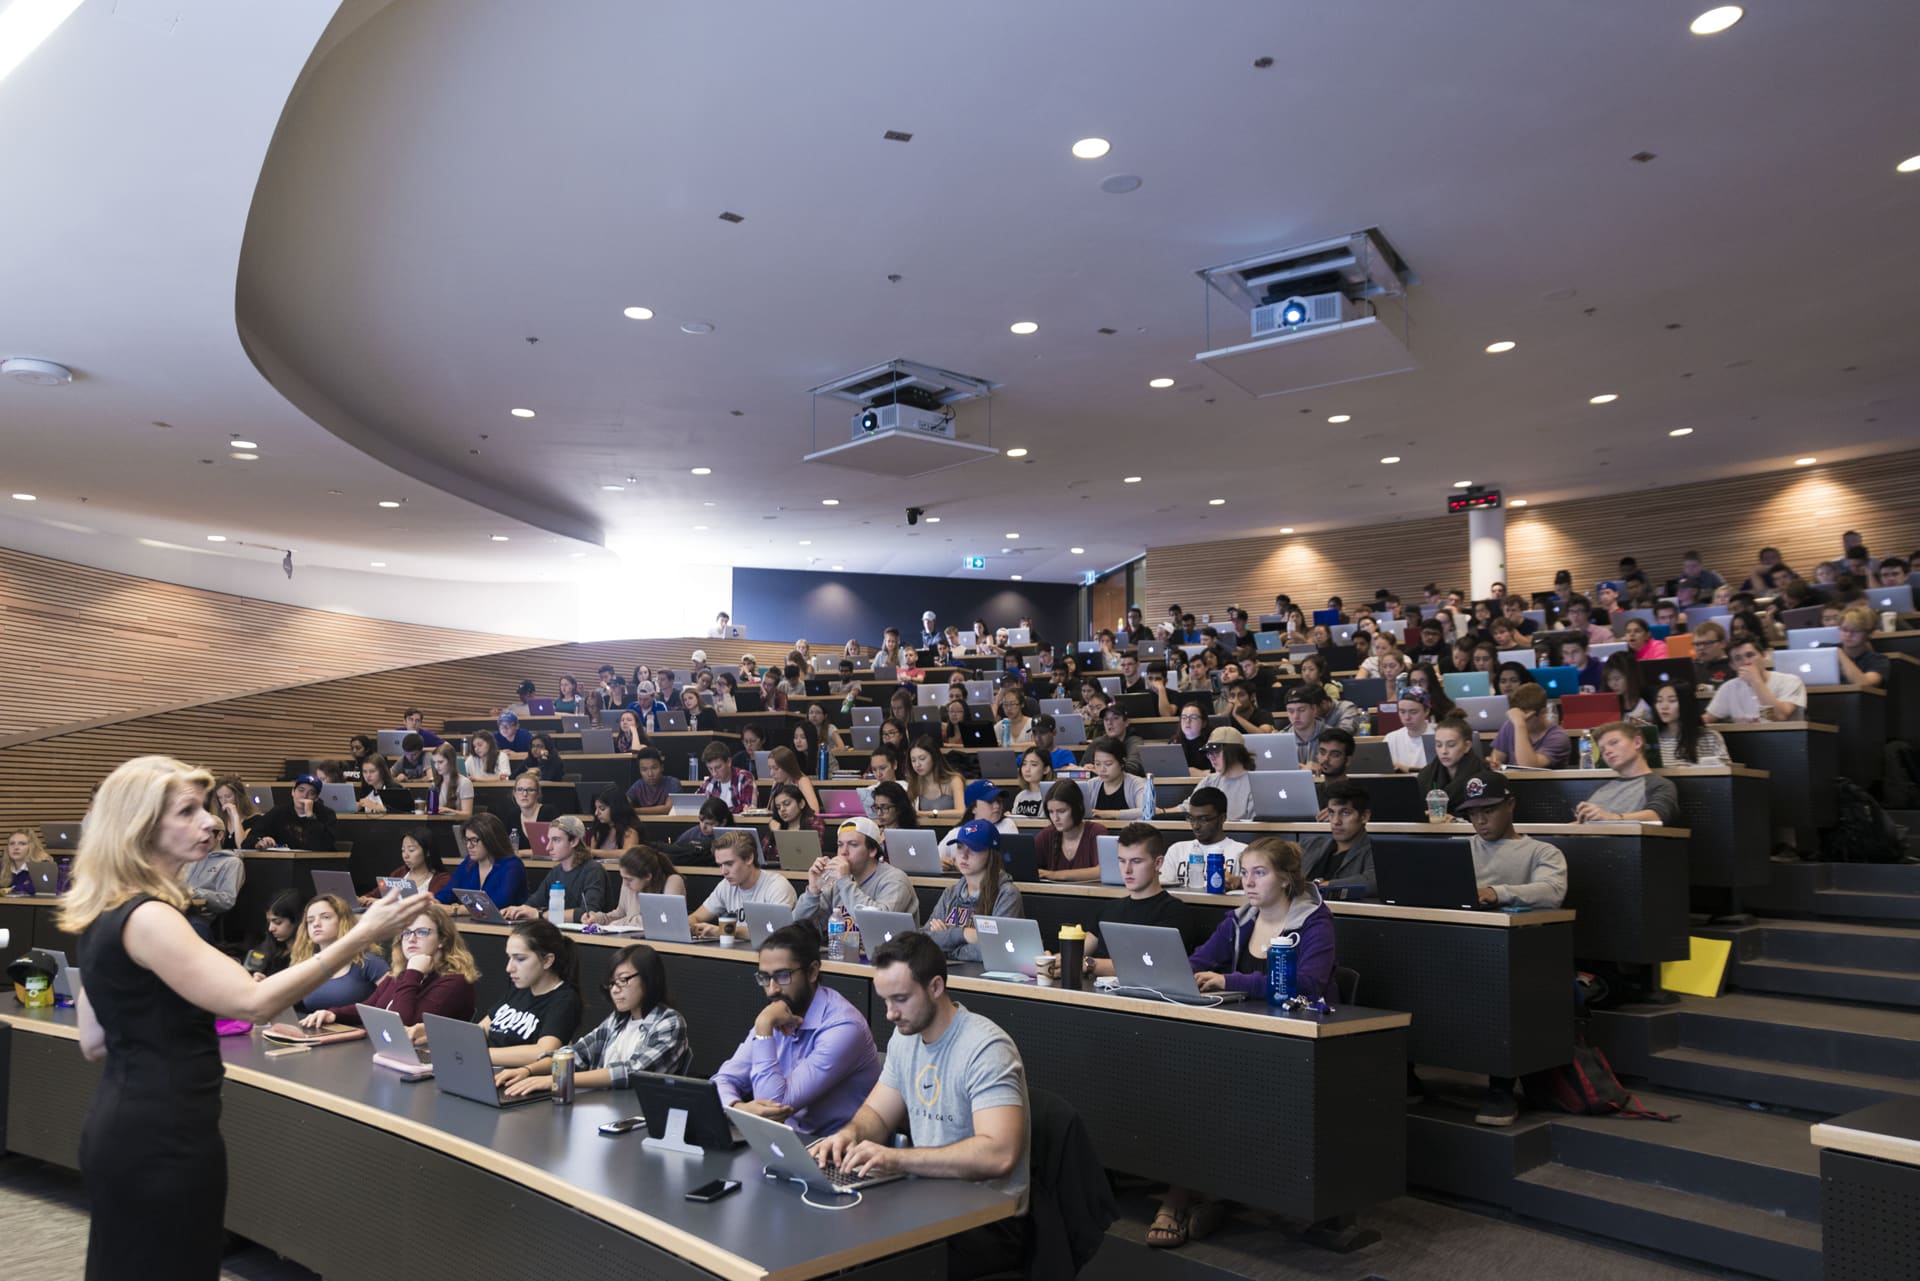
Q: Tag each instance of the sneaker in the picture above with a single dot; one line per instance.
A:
(1416, 1088)
(1499, 1108)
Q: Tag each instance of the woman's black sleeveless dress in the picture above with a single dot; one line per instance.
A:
(151, 1151)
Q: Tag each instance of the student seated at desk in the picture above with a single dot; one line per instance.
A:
(643, 870)
(1860, 663)
(490, 865)
(1244, 709)
(413, 762)
(699, 715)
(1345, 851)
(301, 823)
(854, 876)
(1281, 903)
(1756, 693)
(934, 786)
(788, 811)
(1227, 752)
(455, 789)
(629, 735)
(1067, 849)
(983, 888)
(809, 1060)
(977, 1126)
(212, 885)
(1512, 871)
(614, 825)
(742, 881)
(429, 971)
(644, 1033)
(1406, 746)
(987, 804)
(1331, 755)
(543, 761)
(1190, 736)
(1206, 810)
(230, 802)
(327, 920)
(541, 1011)
(1683, 739)
(652, 791)
(275, 950)
(527, 808)
(484, 763)
(569, 701)
(510, 737)
(1036, 776)
(785, 770)
(1118, 794)
(1147, 902)
(1636, 794)
(23, 851)
(1527, 737)
(574, 870)
(420, 863)
(725, 781)
(414, 721)
(1045, 728)
(376, 778)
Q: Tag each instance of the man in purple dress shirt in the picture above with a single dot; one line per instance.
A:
(810, 1060)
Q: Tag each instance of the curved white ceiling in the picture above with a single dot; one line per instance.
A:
(456, 176)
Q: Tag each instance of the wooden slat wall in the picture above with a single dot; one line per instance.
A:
(79, 644)
(1802, 511)
(51, 779)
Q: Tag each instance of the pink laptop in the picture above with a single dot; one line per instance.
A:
(841, 802)
(536, 839)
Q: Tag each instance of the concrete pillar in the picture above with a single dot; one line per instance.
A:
(1486, 549)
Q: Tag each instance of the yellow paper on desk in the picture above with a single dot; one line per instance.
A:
(1704, 970)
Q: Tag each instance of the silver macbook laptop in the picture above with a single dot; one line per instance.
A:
(666, 919)
(1898, 599)
(1606, 649)
(1524, 657)
(1108, 848)
(1812, 666)
(1273, 751)
(865, 738)
(461, 1065)
(686, 804)
(868, 716)
(932, 695)
(878, 928)
(1019, 636)
(999, 762)
(392, 1047)
(915, 851)
(1008, 945)
(339, 884)
(1813, 637)
(1057, 706)
(1070, 730)
(391, 742)
(1154, 958)
(1284, 795)
(796, 851)
(1484, 713)
(480, 907)
(66, 836)
(784, 1154)
(978, 692)
(763, 919)
(596, 742)
(338, 797)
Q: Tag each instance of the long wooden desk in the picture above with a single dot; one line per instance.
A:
(1870, 1191)
(1329, 1117)
(572, 1199)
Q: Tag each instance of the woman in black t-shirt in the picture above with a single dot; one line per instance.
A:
(542, 1012)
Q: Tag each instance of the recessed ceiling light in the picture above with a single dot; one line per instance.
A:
(521, 413)
(1011, 536)
(1604, 398)
(26, 498)
(696, 327)
(1024, 327)
(376, 564)
(806, 542)
(1518, 502)
(613, 489)
(1910, 165)
(699, 529)
(1160, 383)
(241, 444)
(1714, 21)
(1805, 462)
(1391, 458)
(1092, 148)
(216, 538)
(933, 520)
(1078, 551)
(1286, 529)
(839, 567)
(1216, 502)
(1463, 484)
(703, 471)
(388, 502)
(1681, 431)
(1005, 550)
(1340, 418)
(1016, 453)
(499, 538)
(245, 457)
(638, 313)
(829, 502)
(1495, 348)
(1129, 480)
(708, 503)
(576, 555)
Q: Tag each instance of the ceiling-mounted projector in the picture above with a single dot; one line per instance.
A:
(1301, 311)
(898, 417)
(906, 422)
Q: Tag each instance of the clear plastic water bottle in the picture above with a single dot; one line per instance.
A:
(513, 839)
(556, 903)
(1586, 750)
(837, 935)
(1553, 711)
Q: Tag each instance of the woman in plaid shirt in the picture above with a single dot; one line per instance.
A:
(643, 1034)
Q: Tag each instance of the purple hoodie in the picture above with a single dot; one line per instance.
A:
(1308, 919)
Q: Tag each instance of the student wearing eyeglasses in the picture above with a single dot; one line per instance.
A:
(810, 1058)
(643, 1034)
(430, 971)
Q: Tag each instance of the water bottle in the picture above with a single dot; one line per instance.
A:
(837, 935)
(1366, 725)
(826, 763)
(513, 839)
(433, 798)
(556, 903)
(1553, 711)
(1437, 805)
(1283, 968)
(1195, 875)
(1216, 873)
(1586, 751)
(563, 1074)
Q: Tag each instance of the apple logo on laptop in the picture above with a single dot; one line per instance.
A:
(1283, 793)
(663, 918)
(887, 937)
(1009, 945)
(777, 1152)
(386, 1036)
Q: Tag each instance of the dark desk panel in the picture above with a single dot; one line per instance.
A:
(582, 1203)
(1801, 759)
(1860, 716)
(467, 725)
(31, 923)
(1723, 807)
(1870, 1192)
(267, 873)
(376, 842)
(1903, 697)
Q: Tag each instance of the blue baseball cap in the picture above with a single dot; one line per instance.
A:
(981, 789)
(977, 834)
(308, 780)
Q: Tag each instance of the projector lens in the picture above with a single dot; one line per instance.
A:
(869, 421)
(1293, 314)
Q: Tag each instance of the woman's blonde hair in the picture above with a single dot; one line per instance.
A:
(242, 800)
(303, 948)
(36, 852)
(114, 862)
(454, 956)
(1284, 857)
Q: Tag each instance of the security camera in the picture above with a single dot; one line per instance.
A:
(914, 514)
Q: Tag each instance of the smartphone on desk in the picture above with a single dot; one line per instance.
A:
(714, 1191)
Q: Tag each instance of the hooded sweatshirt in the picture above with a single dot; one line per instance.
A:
(1308, 920)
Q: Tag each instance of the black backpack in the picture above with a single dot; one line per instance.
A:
(1865, 833)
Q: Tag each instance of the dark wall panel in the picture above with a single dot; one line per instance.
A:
(828, 608)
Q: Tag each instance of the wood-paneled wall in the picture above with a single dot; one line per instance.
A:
(50, 779)
(79, 645)
(1802, 511)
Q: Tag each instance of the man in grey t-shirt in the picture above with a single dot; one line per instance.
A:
(742, 881)
(954, 1081)
(1635, 794)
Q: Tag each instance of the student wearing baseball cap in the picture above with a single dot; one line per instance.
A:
(854, 877)
(985, 804)
(302, 823)
(983, 886)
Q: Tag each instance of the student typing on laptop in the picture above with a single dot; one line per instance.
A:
(643, 870)
(741, 882)
(982, 889)
(490, 864)
(1635, 794)
(854, 877)
(541, 1011)
(973, 1126)
(809, 1060)
(644, 1033)
(430, 972)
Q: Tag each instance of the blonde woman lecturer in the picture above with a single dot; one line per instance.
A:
(151, 1151)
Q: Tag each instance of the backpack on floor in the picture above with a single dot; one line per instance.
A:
(1587, 1087)
(1865, 833)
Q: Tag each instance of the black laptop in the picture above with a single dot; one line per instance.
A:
(1426, 871)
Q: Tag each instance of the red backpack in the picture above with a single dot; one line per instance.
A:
(1587, 1086)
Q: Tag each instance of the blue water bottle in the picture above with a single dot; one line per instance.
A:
(826, 763)
(1282, 968)
(1216, 873)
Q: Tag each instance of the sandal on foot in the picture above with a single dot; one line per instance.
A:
(1172, 1230)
